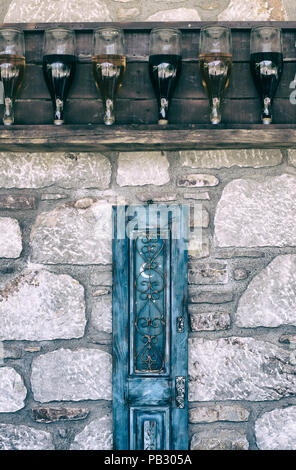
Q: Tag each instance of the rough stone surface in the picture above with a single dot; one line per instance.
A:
(209, 321)
(198, 247)
(197, 181)
(127, 14)
(68, 235)
(222, 439)
(9, 352)
(66, 170)
(141, 168)
(4, 5)
(12, 391)
(177, 14)
(270, 298)
(255, 158)
(292, 156)
(98, 435)
(84, 203)
(199, 218)
(157, 197)
(212, 413)
(209, 273)
(209, 297)
(240, 274)
(239, 369)
(253, 10)
(44, 11)
(99, 292)
(288, 339)
(24, 438)
(101, 278)
(10, 238)
(239, 253)
(32, 349)
(289, 6)
(197, 195)
(40, 306)
(210, 9)
(52, 196)
(101, 316)
(50, 415)
(8, 201)
(276, 429)
(84, 374)
(258, 213)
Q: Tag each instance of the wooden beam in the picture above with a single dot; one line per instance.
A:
(136, 137)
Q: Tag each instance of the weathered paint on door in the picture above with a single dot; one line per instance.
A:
(150, 332)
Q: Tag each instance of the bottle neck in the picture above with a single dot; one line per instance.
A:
(59, 112)
(8, 117)
(266, 112)
(215, 111)
(109, 117)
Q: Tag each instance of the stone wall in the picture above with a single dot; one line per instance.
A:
(55, 271)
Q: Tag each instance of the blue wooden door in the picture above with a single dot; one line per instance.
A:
(150, 332)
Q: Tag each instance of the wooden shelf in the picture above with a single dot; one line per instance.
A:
(136, 109)
(49, 138)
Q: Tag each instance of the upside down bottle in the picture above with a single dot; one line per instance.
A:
(266, 66)
(165, 65)
(12, 68)
(215, 65)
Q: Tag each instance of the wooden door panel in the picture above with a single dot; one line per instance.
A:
(150, 332)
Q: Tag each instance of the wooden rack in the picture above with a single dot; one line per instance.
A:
(136, 109)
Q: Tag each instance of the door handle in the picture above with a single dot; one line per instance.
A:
(180, 324)
(150, 433)
(180, 391)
